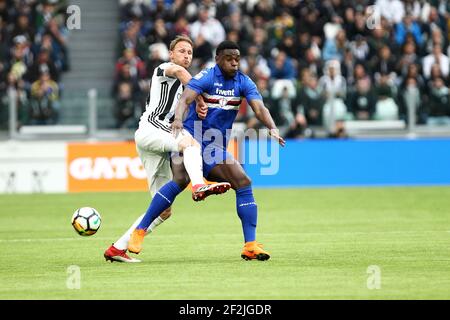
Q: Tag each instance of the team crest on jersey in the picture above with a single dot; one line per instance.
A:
(223, 102)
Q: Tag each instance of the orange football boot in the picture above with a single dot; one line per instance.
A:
(136, 240)
(253, 251)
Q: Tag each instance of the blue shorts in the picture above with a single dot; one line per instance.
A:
(213, 155)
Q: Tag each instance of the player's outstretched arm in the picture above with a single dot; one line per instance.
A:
(184, 76)
(186, 99)
(179, 72)
(263, 115)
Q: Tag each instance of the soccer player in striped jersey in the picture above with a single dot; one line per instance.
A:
(223, 87)
(155, 141)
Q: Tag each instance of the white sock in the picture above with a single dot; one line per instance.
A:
(154, 224)
(193, 163)
(122, 243)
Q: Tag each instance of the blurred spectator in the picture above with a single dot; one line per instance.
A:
(133, 38)
(44, 105)
(211, 29)
(181, 26)
(436, 57)
(361, 102)
(42, 62)
(23, 27)
(408, 25)
(158, 53)
(334, 48)
(136, 65)
(386, 107)
(392, 10)
(282, 24)
(359, 48)
(384, 65)
(290, 123)
(260, 40)
(254, 64)
(126, 106)
(312, 63)
(360, 73)
(134, 8)
(17, 84)
(311, 100)
(160, 33)
(407, 58)
(334, 89)
(439, 104)
(282, 67)
(203, 52)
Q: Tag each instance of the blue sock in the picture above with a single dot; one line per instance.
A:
(247, 212)
(162, 200)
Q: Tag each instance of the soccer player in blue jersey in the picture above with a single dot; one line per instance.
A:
(222, 87)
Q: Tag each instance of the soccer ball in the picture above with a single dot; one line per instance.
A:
(86, 221)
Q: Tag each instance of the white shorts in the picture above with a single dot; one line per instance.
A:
(154, 147)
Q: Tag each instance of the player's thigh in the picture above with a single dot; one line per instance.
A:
(230, 171)
(157, 168)
(155, 140)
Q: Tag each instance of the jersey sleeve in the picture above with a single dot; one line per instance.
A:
(201, 82)
(250, 92)
(161, 70)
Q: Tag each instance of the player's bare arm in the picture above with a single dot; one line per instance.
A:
(186, 99)
(263, 115)
(184, 76)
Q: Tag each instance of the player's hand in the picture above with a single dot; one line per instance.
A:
(177, 126)
(202, 109)
(275, 133)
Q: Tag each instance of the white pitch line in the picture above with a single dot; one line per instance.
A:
(229, 234)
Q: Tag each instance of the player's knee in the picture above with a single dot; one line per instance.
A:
(187, 142)
(241, 182)
(195, 143)
(166, 214)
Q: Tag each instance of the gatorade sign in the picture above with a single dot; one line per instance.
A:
(108, 166)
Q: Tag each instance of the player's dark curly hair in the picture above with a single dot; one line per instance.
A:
(227, 44)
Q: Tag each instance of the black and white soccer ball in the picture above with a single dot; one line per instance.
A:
(86, 221)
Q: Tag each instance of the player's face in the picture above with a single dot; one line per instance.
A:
(228, 61)
(182, 54)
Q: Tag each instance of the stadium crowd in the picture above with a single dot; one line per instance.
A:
(33, 54)
(360, 59)
(356, 59)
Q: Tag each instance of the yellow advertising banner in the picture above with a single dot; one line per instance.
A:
(104, 166)
(109, 166)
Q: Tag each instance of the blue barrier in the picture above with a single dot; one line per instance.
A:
(304, 163)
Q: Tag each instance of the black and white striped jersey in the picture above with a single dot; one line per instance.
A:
(163, 97)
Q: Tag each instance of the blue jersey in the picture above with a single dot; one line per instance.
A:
(223, 97)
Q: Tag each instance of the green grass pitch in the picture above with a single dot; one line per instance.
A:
(322, 243)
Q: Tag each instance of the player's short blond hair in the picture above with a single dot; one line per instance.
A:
(180, 38)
